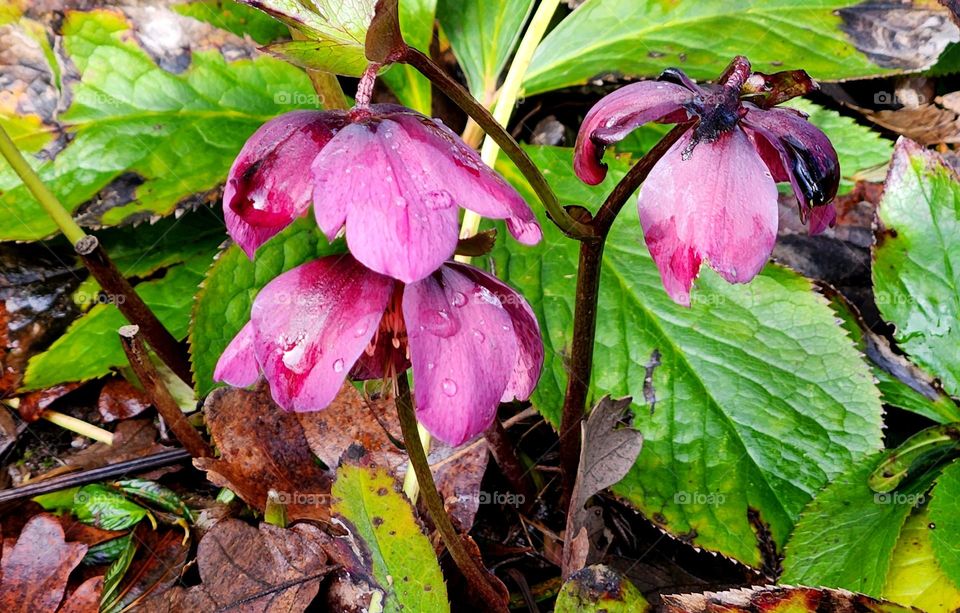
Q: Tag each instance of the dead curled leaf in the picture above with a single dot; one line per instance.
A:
(607, 454)
(263, 447)
(133, 438)
(36, 568)
(160, 559)
(246, 569)
(773, 598)
(119, 399)
(33, 404)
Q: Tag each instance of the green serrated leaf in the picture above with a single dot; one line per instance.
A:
(483, 34)
(105, 552)
(155, 494)
(234, 17)
(640, 38)
(223, 304)
(944, 513)
(106, 508)
(401, 557)
(916, 270)
(754, 409)
(91, 347)
(914, 578)
(116, 571)
(164, 137)
(845, 538)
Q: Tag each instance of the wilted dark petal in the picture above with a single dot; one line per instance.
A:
(401, 219)
(804, 153)
(237, 365)
(618, 114)
(768, 90)
(464, 351)
(821, 218)
(529, 365)
(458, 174)
(312, 323)
(719, 204)
(267, 187)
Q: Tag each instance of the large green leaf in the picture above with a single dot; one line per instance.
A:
(945, 516)
(916, 270)
(483, 34)
(235, 17)
(416, 24)
(223, 303)
(642, 37)
(138, 139)
(915, 578)
(397, 552)
(761, 398)
(91, 347)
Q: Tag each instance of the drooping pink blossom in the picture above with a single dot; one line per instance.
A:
(471, 340)
(713, 196)
(394, 179)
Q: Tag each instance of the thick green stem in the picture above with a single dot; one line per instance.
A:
(462, 98)
(44, 196)
(475, 575)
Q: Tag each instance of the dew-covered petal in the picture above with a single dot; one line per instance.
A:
(529, 364)
(267, 187)
(464, 351)
(456, 171)
(796, 150)
(237, 365)
(398, 223)
(312, 323)
(618, 114)
(719, 204)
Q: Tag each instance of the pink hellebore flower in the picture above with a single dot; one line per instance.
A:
(713, 194)
(393, 177)
(472, 341)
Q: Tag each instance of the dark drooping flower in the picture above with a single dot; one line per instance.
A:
(471, 340)
(392, 177)
(713, 195)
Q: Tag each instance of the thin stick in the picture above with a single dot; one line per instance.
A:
(78, 425)
(462, 98)
(101, 266)
(475, 575)
(159, 394)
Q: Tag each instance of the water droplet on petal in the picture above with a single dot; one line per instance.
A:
(438, 200)
(338, 365)
(477, 334)
(430, 366)
(361, 330)
(449, 387)
(459, 299)
(400, 201)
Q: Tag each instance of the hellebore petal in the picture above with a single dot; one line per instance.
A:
(618, 114)
(267, 187)
(529, 364)
(463, 349)
(719, 204)
(804, 154)
(768, 90)
(821, 218)
(312, 323)
(237, 365)
(458, 173)
(398, 222)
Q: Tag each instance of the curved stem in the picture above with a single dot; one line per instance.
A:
(475, 575)
(462, 98)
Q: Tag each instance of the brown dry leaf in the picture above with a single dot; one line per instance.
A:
(249, 570)
(902, 35)
(36, 568)
(772, 598)
(159, 561)
(120, 399)
(263, 448)
(133, 438)
(84, 599)
(352, 419)
(607, 454)
(33, 404)
(928, 124)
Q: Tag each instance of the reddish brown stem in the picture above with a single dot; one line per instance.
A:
(159, 394)
(132, 306)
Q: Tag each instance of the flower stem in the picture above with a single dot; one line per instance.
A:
(78, 425)
(474, 574)
(510, 90)
(585, 309)
(100, 265)
(462, 98)
(411, 487)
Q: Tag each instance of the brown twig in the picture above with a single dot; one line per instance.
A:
(474, 574)
(159, 394)
(506, 458)
(133, 307)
